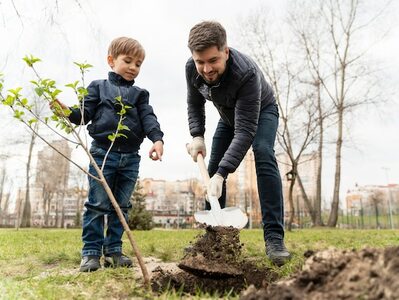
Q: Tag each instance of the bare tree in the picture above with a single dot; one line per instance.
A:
(282, 69)
(346, 80)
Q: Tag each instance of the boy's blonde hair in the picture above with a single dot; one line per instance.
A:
(125, 46)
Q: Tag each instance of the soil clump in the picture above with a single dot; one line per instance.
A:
(338, 274)
(213, 263)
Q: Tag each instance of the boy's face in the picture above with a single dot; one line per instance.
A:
(211, 63)
(126, 65)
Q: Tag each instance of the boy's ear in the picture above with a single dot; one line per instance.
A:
(110, 60)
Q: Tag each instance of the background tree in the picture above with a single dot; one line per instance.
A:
(343, 72)
(282, 68)
(139, 217)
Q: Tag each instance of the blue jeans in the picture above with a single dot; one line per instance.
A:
(121, 172)
(268, 174)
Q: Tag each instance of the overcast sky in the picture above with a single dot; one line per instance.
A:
(81, 31)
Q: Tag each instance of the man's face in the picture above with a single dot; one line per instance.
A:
(211, 63)
(126, 65)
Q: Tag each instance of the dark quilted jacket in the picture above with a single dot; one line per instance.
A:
(239, 96)
(101, 109)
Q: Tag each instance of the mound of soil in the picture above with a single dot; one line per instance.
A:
(338, 274)
(213, 263)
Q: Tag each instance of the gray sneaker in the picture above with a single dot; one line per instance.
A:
(116, 260)
(90, 264)
(276, 251)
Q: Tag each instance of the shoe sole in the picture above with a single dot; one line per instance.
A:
(89, 269)
(109, 265)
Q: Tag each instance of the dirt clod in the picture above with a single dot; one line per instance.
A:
(213, 263)
(339, 274)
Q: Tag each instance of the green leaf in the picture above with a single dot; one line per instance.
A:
(122, 127)
(30, 60)
(55, 93)
(18, 114)
(16, 91)
(31, 121)
(39, 91)
(73, 85)
(112, 137)
(123, 135)
(9, 100)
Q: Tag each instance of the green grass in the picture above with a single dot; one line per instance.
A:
(43, 263)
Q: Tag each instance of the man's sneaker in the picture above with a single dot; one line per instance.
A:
(90, 264)
(116, 260)
(276, 251)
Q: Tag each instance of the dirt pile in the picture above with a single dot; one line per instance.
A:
(339, 274)
(213, 263)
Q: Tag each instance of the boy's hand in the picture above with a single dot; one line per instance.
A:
(156, 151)
(58, 107)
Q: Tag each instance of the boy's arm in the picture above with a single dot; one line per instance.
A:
(148, 119)
(91, 100)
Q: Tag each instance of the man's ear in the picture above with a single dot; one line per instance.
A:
(110, 60)
(227, 51)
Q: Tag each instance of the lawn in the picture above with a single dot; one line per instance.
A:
(43, 263)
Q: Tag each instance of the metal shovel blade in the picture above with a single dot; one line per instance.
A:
(229, 216)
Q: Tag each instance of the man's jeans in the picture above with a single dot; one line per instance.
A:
(268, 175)
(120, 171)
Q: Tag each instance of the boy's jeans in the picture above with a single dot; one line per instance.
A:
(121, 172)
(268, 175)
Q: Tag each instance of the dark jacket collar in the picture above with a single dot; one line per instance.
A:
(119, 80)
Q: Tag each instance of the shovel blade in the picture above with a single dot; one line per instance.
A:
(229, 216)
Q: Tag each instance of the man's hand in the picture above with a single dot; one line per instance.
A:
(156, 151)
(197, 146)
(215, 186)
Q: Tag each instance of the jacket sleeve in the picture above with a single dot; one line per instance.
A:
(148, 119)
(245, 124)
(195, 107)
(91, 100)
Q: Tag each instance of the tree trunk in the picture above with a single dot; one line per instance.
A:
(2, 181)
(291, 198)
(306, 200)
(332, 220)
(27, 212)
(318, 221)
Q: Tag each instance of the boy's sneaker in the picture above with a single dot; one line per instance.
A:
(116, 260)
(90, 264)
(276, 251)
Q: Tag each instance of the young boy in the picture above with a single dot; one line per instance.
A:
(125, 57)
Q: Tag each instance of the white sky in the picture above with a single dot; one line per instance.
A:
(82, 33)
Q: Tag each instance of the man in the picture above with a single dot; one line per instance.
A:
(249, 116)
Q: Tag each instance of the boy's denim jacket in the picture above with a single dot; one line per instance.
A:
(101, 109)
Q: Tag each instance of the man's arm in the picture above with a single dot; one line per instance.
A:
(246, 123)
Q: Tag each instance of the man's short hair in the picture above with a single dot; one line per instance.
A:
(207, 34)
(125, 46)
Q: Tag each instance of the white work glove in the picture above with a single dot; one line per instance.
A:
(197, 146)
(215, 186)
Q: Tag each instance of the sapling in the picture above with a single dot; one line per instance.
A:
(59, 123)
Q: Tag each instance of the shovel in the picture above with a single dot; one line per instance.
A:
(229, 216)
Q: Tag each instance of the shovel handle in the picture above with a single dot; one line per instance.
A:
(202, 167)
